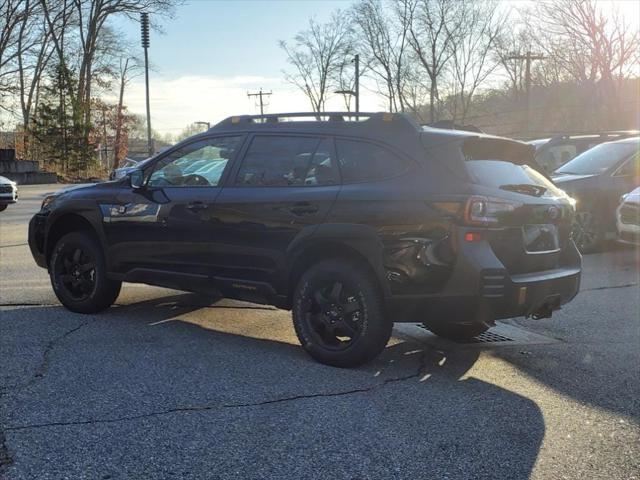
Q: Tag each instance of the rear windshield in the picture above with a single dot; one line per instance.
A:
(599, 159)
(506, 165)
(510, 176)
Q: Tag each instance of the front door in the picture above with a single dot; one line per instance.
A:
(162, 227)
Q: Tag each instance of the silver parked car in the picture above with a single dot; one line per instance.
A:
(628, 217)
(8, 192)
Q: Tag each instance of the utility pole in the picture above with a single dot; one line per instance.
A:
(357, 86)
(260, 94)
(104, 132)
(528, 57)
(144, 26)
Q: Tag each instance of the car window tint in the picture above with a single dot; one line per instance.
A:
(365, 162)
(199, 164)
(288, 161)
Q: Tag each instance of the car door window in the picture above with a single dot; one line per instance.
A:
(366, 162)
(556, 156)
(288, 161)
(198, 164)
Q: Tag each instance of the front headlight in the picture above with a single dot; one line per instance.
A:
(46, 203)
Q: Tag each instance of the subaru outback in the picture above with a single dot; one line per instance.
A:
(351, 221)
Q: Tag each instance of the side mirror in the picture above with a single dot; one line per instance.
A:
(136, 179)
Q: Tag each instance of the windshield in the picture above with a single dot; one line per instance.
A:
(599, 159)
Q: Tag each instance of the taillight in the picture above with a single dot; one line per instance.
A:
(486, 211)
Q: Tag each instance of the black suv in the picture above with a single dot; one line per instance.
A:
(353, 222)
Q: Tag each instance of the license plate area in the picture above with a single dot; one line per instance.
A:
(541, 238)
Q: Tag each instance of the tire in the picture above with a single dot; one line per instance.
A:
(586, 231)
(78, 274)
(3, 207)
(457, 332)
(338, 314)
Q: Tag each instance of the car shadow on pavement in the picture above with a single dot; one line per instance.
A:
(228, 391)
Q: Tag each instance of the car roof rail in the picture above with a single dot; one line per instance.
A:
(364, 119)
(610, 133)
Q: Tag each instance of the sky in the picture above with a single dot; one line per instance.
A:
(214, 51)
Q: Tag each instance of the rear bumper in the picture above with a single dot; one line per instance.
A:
(480, 289)
(37, 227)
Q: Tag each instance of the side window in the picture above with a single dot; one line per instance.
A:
(197, 164)
(630, 168)
(365, 162)
(555, 157)
(288, 161)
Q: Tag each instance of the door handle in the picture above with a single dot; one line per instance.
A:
(303, 208)
(196, 206)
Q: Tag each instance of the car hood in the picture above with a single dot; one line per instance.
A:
(72, 188)
(5, 181)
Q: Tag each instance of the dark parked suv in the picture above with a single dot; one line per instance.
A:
(352, 222)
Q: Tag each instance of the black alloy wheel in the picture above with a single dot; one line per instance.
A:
(76, 272)
(79, 275)
(338, 314)
(334, 313)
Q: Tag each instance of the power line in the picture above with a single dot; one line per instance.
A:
(260, 94)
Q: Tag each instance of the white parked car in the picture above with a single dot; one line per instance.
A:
(8, 192)
(628, 217)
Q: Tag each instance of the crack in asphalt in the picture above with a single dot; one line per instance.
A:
(41, 370)
(43, 367)
(203, 408)
(5, 457)
(625, 285)
(14, 245)
(28, 304)
(130, 305)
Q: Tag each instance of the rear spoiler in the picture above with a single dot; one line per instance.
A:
(496, 148)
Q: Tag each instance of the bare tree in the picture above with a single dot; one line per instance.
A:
(384, 44)
(13, 13)
(129, 68)
(479, 28)
(596, 50)
(588, 44)
(316, 55)
(89, 19)
(434, 27)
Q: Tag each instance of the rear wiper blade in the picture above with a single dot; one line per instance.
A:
(525, 188)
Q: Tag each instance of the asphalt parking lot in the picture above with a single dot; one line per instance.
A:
(173, 385)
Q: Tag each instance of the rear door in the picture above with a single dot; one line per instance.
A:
(281, 190)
